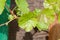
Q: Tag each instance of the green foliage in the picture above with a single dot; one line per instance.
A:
(26, 17)
(38, 18)
(22, 6)
(37, 12)
(53, 4)
(42, 26)
(10, 17)
(42, 23)
(41, 19)
(28, 25)
(52, 1)
(2, 4)
(48, 11)
(27, 21)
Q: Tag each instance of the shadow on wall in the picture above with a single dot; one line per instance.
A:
(16, 33)
(28, 36)
(13, 28)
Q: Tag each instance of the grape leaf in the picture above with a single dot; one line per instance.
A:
(22, 5)
(42, 23)
(52, 1)
(48, 11)
(25, 17)
(42, 26)
(37, 11)
(29, 20)
(53, 4)
(38, 18)
(10, 17)
(47, 5)
(2, 4)
(28, 25)
(56, 8)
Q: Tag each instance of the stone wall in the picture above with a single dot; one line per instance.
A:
(35, 4)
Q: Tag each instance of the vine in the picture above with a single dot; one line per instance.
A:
(40, 18)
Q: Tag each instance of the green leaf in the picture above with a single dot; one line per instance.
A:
(18, 13)
(28, 28)
(48, 11)
(2, 4)
(22, 5)
(52, 4)
(42, 26)
(56, 7)
(10, 17)
(48, 15)
(26, 17)
(58, 2)
(47, 5)
(27, 21)
(28, 25)
(51, 19)
(42, 23)
(38, 18)
(37, 11)
(52, 1)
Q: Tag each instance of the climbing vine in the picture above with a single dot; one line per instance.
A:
(40, 18)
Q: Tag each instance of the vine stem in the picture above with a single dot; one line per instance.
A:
(55, 22)
(12, 13)
(5, 23)
(15, 17)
